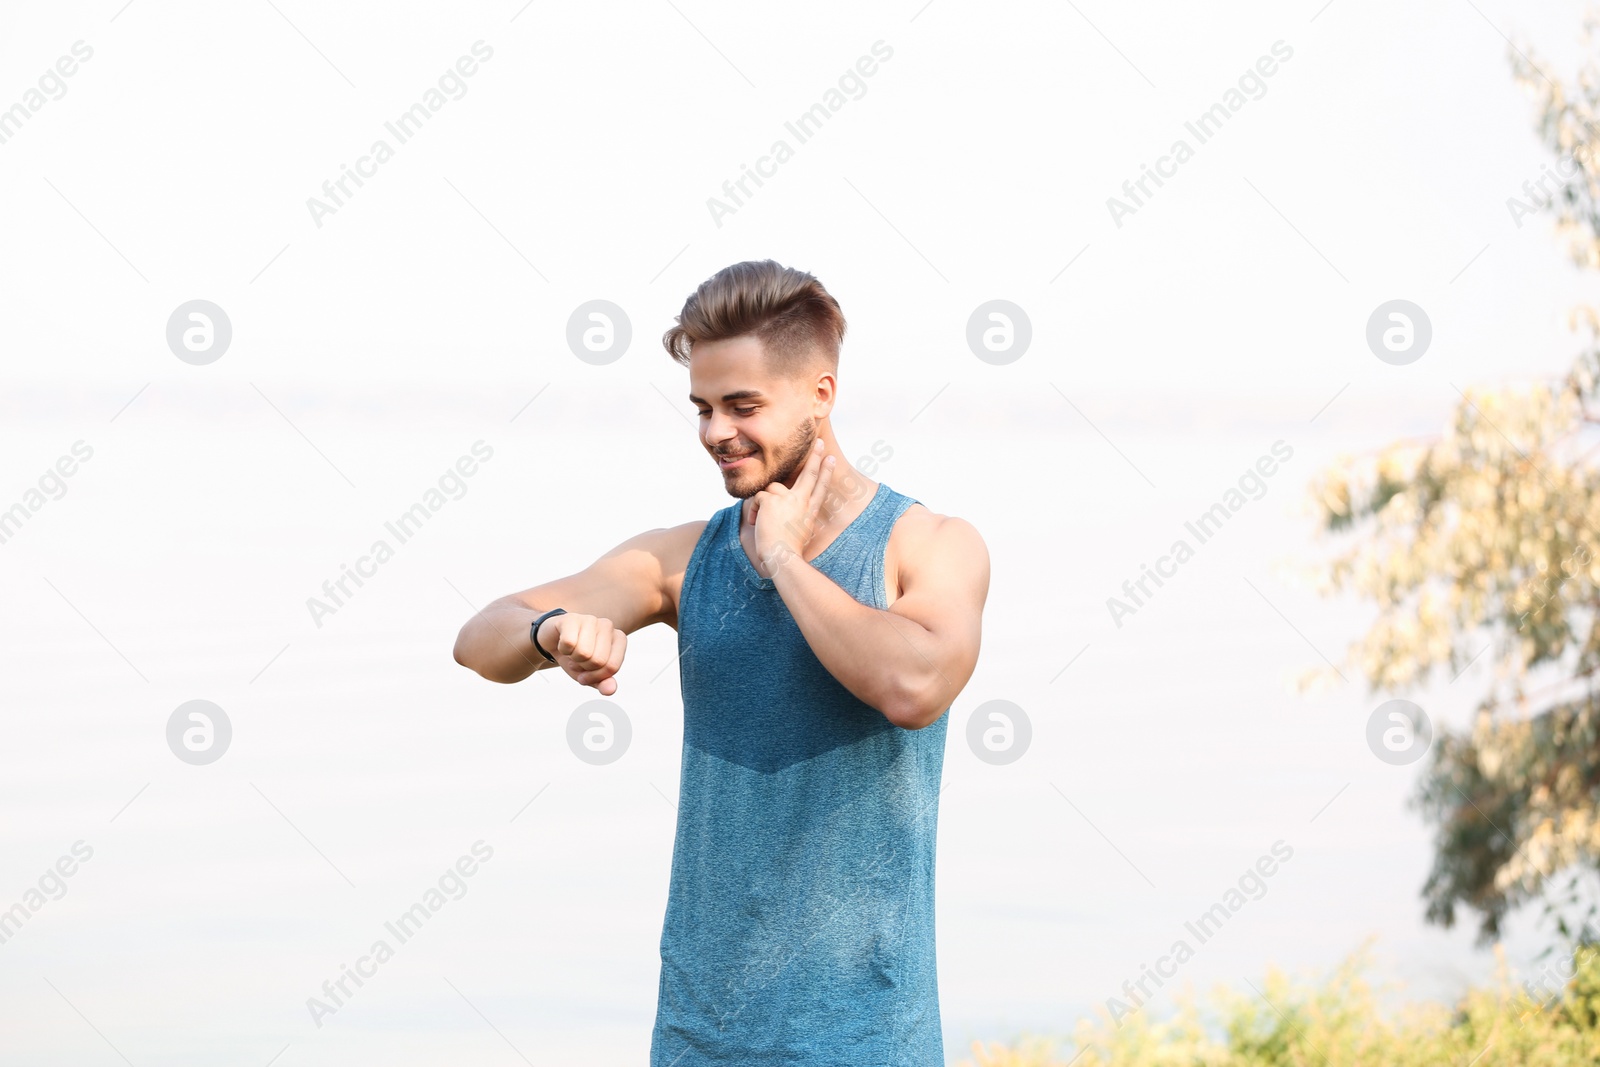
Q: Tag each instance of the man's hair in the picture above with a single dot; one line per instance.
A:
(787, 310)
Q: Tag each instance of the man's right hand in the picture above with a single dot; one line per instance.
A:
(587, 647)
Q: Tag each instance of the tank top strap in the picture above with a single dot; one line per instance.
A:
(855, 558)
(870, 532)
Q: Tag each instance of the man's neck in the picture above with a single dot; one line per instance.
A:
(848, 491)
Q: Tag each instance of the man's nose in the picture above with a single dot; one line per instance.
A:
(719, 428)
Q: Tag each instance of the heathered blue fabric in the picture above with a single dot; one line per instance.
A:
(799, 923)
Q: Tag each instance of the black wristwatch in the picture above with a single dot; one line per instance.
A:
(533, 631)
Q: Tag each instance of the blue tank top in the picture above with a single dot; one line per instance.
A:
(799, 921)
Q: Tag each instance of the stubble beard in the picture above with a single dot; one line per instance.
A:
(788, 462)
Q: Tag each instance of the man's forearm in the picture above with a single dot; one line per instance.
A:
(888, 661)
(495, 643)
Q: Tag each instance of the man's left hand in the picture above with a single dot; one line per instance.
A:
(785, 517)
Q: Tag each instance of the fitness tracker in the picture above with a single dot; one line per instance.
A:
(533, 631)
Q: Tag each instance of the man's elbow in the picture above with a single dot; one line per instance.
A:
(460, 652)
(917, 719)
(487, 674)
(463, 655)
(915, 706)
(465, 660)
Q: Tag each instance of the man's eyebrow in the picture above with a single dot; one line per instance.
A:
(742, 394)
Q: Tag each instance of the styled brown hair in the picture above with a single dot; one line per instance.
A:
(787, 310)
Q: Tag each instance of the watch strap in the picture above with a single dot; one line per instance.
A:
(533, 631)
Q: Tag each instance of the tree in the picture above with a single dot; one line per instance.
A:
(1485, 542)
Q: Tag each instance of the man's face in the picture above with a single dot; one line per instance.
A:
(757, 423)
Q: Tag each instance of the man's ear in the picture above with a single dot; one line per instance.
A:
(826, 392)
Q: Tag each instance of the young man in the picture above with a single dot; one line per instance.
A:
(825, 624)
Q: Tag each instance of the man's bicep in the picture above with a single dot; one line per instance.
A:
(944, 586)
(626, 585)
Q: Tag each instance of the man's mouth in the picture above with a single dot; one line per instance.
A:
(729, 460)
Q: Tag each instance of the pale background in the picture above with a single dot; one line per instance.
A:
(370, 353)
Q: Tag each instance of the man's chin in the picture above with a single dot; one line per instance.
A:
(742, 487)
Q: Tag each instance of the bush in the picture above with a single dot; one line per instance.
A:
(1283, 1022)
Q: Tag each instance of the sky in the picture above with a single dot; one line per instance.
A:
(376, 340)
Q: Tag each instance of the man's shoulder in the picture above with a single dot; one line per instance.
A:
(922, 536)
(919, 523)
(669, 546)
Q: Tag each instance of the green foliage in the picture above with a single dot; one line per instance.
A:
(1540, 774)
(1281, 1022)
(1482, 545)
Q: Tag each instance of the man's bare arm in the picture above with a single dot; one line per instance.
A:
(911, 660)
(628, 588)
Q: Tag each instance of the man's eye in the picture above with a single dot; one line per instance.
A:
(705, 413)
(744, 411)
